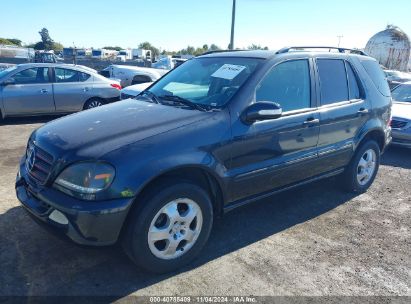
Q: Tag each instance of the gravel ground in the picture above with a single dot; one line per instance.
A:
(311, 241)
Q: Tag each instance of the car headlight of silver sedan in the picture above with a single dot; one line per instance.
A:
(84, 180)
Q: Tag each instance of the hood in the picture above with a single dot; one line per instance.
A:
(136, 89)
(401, 110)
(93, 133)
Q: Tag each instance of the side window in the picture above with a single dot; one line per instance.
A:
(83, 76)
(333, 80)
(377, 75)
(33, 75)
(354, 89)
(65, 75)
(288, 84)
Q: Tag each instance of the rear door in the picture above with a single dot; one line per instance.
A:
(343, 110)
(72, 89)
(273, 153)
(31, 93)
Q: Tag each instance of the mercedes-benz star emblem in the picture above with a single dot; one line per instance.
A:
(31, 157)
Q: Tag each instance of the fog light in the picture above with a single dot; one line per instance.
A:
(58, 217)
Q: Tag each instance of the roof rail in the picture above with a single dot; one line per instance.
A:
(341, 50)
(221, 51)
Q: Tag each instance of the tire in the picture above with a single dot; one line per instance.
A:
(363, 167)
(93, 103)
(160, 237)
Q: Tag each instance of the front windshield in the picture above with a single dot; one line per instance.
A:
(402, 93)
(206, 81)
(6, 71)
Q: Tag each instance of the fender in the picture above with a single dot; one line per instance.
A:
(202, 160)
(373, 124)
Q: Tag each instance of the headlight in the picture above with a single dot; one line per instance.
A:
(84, 180)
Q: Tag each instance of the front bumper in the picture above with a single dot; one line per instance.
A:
(96, 223)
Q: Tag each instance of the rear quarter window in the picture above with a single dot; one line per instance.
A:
(377, 76)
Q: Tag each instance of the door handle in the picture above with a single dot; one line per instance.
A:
(86, 89)
(43, 91)
(311, 121)
(363, 111)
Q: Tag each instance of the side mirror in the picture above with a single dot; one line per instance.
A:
(7, 82)
(262, 110)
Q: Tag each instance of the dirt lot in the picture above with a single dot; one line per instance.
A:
(315, 240)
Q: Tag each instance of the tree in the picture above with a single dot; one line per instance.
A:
(148, 46)
(214, 47)
(6, 41)
(46, 40)
(115, 48)
(15, 41)
(257, 47)
(57, 46)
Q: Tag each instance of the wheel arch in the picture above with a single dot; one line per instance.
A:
(201, 175)
(374, 130)
(146, 76)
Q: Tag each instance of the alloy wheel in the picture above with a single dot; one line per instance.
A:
(94, 104)
(175, 228)
(366, 167)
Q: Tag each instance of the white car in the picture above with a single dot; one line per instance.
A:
(130, 75)
(134, 90)
(168, 63)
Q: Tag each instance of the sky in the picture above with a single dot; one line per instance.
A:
(173, 25)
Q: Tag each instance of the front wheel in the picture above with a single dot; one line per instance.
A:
(93, 103)
(170, 228)
(361, 172)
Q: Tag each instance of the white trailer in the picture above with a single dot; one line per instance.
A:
(127, 54)
(103, 53)
(142, 54)
(15, 52)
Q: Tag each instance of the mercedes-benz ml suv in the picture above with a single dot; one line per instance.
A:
(222, 130)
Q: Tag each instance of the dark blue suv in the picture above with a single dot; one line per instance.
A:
(220, 131)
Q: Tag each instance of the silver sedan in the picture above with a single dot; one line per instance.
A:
(47, 89)
(401, 115)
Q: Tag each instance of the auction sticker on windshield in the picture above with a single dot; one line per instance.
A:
(228, 71)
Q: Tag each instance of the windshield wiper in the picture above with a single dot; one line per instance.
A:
(153, 96)
(185, 101)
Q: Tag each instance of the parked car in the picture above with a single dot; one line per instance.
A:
(401, 115)
(42, 88)
(130, 75)
(395, 78)
(218, 132)
(4, 66)
(134, 90)
(168, 63)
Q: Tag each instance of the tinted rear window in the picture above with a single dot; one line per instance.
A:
(353, 84)
(377, 76)
(333, 80)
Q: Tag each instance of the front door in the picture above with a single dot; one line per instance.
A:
(273, 153)
(30, 93)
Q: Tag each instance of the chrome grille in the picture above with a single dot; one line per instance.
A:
(398, 124)
(38, 163)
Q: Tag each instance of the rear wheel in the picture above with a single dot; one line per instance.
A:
(170, 228)
(361, 172)
(93, 103)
